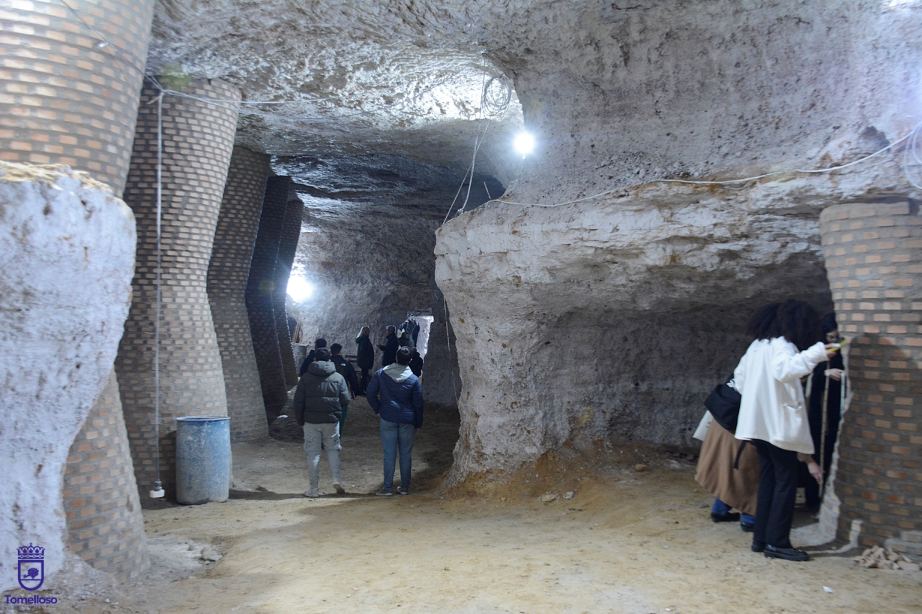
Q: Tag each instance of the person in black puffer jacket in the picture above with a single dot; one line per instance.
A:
(320, 403)
(396, 395)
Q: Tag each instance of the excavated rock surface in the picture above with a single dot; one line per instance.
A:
(611, 317)
(66, 260)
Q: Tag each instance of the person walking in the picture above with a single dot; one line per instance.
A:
(365, 356)
(773, 415)
(396, 396)
(390, 346)
(320, 404)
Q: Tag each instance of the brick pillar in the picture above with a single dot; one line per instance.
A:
(260, 296)
(874, 261)
(104, 521)
(228, 271)
(288, 244)
(66, 100)
(63, 99)
(197, 143)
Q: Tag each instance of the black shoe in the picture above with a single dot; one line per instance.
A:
(747, 527)
(725, 517)
(757, 546)
(788, 554)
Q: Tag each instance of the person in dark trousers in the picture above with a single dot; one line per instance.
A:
(773, 415)
(834, 368)
(320, 342)
(389, 349)
(396, 396)
(320, 405)
(365, 356)
(416, 362)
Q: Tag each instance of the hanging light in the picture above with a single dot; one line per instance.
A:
(524, 143)
(299, 289)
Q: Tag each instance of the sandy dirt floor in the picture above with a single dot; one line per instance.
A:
(627, 541)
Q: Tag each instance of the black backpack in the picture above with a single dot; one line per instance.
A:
(724, 405)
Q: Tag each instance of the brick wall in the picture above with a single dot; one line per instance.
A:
(197, 143)
(104, 523)
(874, 260)
(288, 244)
(228, 271)
(261, 288)
(63, 99)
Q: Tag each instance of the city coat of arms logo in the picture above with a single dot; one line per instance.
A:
(31, 567)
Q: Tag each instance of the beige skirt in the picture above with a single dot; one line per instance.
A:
(738, 488)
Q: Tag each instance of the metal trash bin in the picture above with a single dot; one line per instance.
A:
(203, 459)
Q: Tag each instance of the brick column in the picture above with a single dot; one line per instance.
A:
(67, 98)
(197, 143)
(228, 271)
(288, 244)
(101, 501)
(260, 294)
(874, 261)
(63, 98)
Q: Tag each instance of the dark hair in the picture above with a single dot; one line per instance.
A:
(794, 320)
(321, 354)
(391, 329)
(336, 348)
(403, 355)
(829, 323)
(320, 342)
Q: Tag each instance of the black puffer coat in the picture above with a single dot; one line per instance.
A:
(322, 396)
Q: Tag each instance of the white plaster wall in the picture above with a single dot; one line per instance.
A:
(66, 261)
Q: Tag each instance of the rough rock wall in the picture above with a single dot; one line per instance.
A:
(228, 272)
(611, 317)
(874, 255)
(66, 259)
(367, 245)
(197, 142)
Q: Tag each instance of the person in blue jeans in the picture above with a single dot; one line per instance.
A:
(396, 396)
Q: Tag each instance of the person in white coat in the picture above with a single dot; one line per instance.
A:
(773, 415)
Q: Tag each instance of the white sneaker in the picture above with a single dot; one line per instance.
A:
(339, 488)
(311, 494)
(402, 491)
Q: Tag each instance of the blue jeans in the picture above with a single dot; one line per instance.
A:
(720, 507)
(396, 436)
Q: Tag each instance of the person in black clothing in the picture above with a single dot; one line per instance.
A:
(344, 367)
(365, 356)
(834, 368)
(320, 342)
(389, 348)
(416, 362)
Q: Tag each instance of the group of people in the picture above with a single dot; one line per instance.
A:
(328, 382)
(756, 469)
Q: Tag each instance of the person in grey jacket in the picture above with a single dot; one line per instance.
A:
(320, 403)
(396, 395)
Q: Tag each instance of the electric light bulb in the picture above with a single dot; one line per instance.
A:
(524, 143)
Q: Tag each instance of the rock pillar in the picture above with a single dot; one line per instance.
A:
(288, 244)
(260, 292)
(66, 255)
(874, 261)
(69, 95)
(228, 271)
(197, 141)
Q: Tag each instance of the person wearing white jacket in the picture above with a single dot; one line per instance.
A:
(773, 415)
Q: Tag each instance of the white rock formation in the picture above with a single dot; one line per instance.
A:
(66, 260)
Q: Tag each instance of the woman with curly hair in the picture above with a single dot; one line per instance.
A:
(773, 414)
